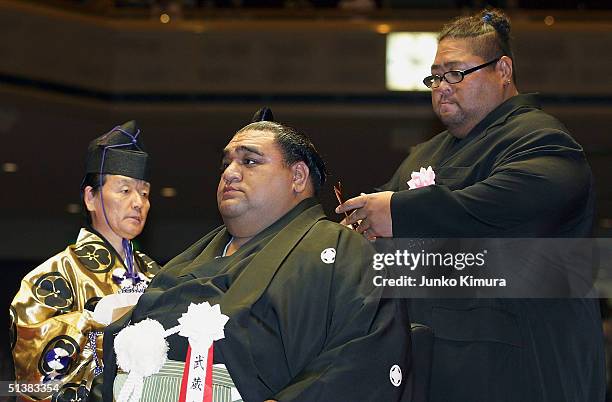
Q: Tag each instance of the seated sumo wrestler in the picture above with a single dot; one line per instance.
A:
(52, 325)
(305, 323)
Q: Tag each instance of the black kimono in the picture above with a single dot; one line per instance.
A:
(304, 325)
(518, 173)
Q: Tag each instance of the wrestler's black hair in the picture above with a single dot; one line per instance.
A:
(488, 31)
(296, 147)
(93, 180)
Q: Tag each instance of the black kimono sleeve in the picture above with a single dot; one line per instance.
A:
(539, 185)
(367, 341)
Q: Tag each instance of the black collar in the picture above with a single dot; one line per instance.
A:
(502, 111)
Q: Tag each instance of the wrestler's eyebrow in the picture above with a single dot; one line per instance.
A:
(450, 65)
(246, 148)
(455, 64)
(243, 148)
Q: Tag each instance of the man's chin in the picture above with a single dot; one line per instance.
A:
(447, 111)
(132, 233)
(229, 209)
(450, 119)
(131, 229)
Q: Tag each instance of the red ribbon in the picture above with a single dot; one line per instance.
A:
(207, 392)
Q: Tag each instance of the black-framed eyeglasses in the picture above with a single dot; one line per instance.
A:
(453, 76)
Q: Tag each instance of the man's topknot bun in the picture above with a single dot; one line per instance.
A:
(498, 20)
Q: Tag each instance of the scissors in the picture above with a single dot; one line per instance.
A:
(338, 192)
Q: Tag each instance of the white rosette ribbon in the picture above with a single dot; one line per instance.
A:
(142, 349)
(202, 324)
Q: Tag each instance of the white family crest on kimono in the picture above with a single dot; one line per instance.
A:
(422, 178)
(142, 348)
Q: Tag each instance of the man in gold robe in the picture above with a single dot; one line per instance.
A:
(55, 339)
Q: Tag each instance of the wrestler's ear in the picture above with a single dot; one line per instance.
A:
(300, 176)
(505, 68)
(89, 197)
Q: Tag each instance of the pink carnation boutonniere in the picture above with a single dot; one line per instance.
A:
(422, 178)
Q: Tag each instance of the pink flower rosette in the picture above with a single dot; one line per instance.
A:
(422, 178)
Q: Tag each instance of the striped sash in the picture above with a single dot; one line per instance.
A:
(165, 385)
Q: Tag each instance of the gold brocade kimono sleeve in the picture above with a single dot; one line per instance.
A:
(52, 327)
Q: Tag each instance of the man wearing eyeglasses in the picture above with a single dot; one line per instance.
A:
(503, 168)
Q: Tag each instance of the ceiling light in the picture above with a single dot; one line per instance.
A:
(408, 59)
(9, 167)
(168, 192)
(383, 28)
(73, 208)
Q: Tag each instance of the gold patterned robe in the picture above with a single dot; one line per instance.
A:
(52, 326)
